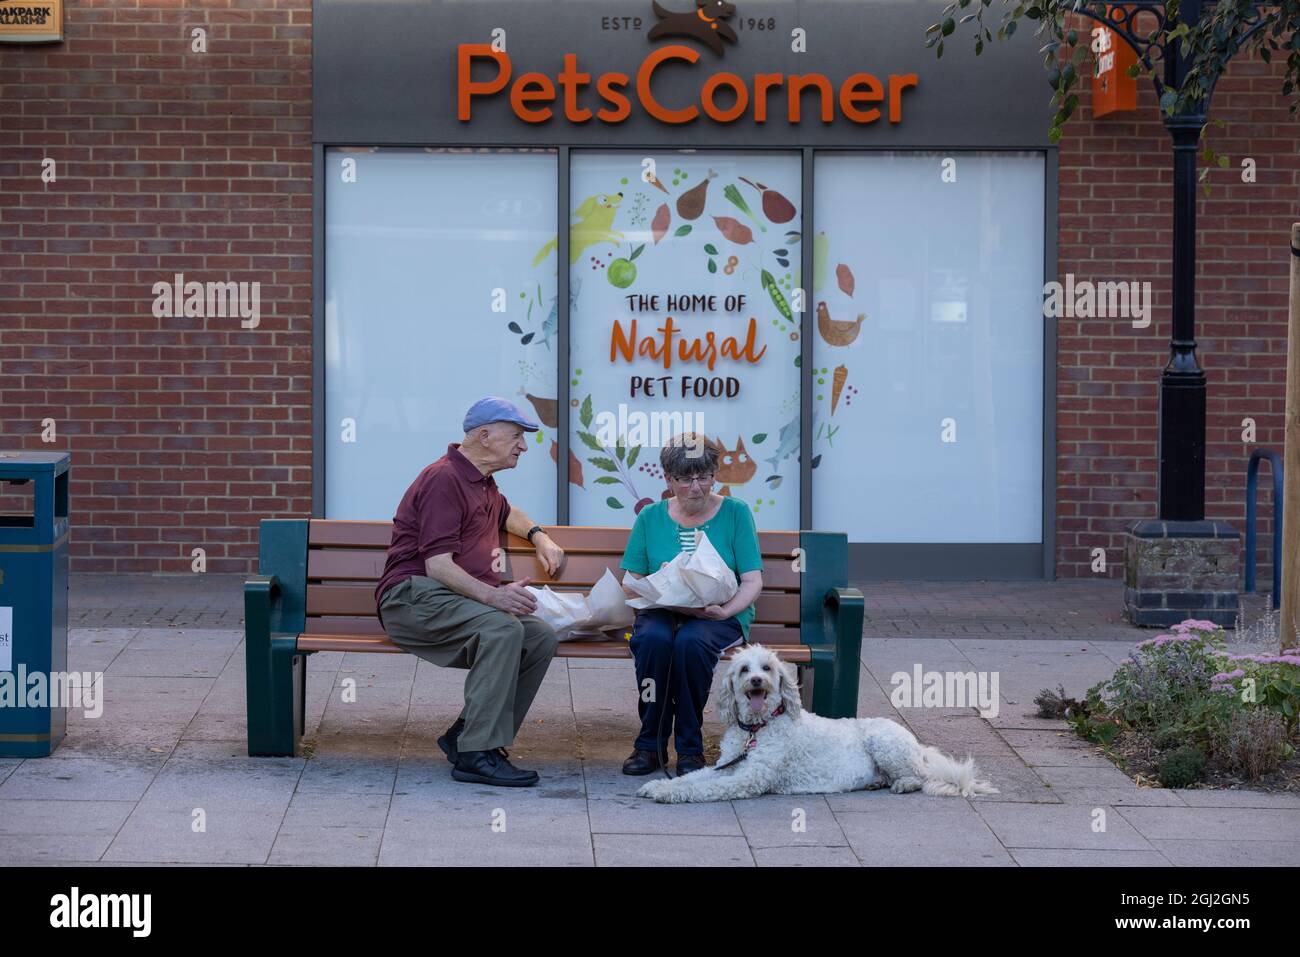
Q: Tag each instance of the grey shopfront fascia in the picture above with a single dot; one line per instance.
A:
(384, 75)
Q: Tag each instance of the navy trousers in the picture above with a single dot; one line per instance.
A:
(692, 646)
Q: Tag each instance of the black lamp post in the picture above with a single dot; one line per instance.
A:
(1182, 383)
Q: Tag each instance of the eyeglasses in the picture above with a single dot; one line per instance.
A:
(703, 481)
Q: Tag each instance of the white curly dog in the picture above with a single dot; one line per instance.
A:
(775, 747)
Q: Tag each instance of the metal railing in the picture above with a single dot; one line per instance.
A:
(1252, 493)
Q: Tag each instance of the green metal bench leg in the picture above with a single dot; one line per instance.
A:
(288, 697)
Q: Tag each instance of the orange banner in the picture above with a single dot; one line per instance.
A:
(1113, 89)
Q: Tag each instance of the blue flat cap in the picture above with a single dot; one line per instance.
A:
(496, 409)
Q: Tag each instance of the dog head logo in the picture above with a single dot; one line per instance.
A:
(706, 23)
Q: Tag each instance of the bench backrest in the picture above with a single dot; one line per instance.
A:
(329, 567)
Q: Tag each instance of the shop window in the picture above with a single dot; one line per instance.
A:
(928, 347)
(433, 300)
(682, 271)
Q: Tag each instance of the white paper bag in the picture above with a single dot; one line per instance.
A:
(606, 607)
(707, 575)
(574, 615)
(691, 580)
(561, 610)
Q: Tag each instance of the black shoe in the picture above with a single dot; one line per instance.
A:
(686, 763)
(641, 762)
(491, 767)
(448, 740)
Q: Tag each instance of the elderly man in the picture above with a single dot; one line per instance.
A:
(441, 596)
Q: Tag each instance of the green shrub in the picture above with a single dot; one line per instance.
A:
(1269, 680)
(1254, 742)
(1182, 768)
(1166, 685)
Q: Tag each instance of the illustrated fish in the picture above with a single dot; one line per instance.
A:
(548, 327)
(787, 442)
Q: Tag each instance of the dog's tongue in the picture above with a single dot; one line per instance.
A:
(757, 699)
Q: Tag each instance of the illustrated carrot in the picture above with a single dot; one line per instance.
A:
(840, 376)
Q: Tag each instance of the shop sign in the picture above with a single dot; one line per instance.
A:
(31, 21)
(1113, 89)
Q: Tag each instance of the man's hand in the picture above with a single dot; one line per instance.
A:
(548, 553)
(713, 612)
(514, 598)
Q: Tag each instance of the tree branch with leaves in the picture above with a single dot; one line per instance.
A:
(1152, 28)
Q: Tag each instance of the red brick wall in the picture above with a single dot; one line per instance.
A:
(1116, 213)
(183, 432)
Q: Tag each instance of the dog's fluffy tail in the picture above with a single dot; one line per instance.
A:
(947, 777)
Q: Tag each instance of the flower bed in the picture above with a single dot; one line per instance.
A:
(1183, 710)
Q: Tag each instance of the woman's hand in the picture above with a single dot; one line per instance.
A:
(714, 612)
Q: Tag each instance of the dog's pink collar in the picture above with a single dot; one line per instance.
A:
(753, 730)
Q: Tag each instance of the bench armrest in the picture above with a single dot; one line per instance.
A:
(837, 659)
(843, 611)
(262, 598)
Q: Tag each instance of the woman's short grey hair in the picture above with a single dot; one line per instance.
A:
(689, 454)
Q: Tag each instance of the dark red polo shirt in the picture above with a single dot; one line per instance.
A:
(450, 507)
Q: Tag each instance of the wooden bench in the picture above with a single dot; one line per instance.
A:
(315, 592)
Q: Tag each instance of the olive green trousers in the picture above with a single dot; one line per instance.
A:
(507, 655)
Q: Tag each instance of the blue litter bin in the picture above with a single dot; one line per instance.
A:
(33, 601)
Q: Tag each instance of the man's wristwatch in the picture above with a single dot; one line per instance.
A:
(533, 531)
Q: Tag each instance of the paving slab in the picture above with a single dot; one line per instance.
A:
(798, 856)
(1064, 857)
(502, 831)
(39, 830)
(75, 776)
(942, 832)
(789, 820)
(671, 850)
(1227, 797)
(232, 831)
(299, 846)
(1063, 826)
(1131, 796)
(1014, 780)
(1215, 823)
(7, 767)
(1186, 852)
(634, 815)
(1065, 758)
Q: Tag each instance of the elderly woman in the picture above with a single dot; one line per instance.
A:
(676, 649)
